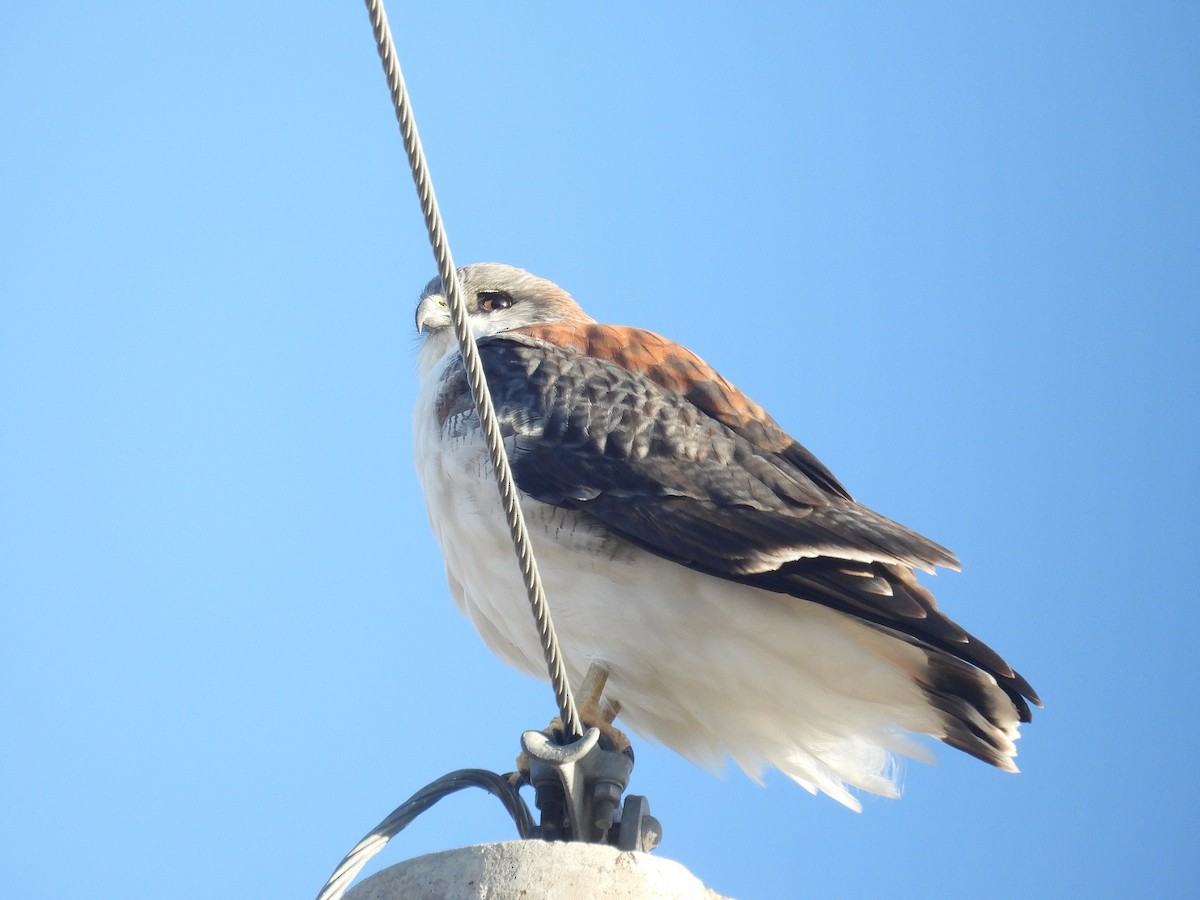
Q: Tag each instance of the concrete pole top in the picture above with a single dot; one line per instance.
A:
(534, 870)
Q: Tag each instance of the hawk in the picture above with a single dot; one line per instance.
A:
(741, 601)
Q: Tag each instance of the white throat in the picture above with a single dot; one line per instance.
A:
(434, 346)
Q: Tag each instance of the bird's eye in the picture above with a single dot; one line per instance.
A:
(490, 301)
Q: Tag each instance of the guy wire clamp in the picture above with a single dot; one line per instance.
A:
(578, 783)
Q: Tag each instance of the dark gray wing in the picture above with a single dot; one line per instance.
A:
(658, 471)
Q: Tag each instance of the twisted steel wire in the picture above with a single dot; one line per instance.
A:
(499, 785)
(474, 369)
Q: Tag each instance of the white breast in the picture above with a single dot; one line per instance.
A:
(463, 502)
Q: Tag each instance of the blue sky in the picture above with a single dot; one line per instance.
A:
(953, 248)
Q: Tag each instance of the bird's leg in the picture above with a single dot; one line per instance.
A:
(595, 711)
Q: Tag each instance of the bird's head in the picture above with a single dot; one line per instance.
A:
(498, 298)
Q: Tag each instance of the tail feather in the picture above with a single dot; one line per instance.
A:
(978, 716)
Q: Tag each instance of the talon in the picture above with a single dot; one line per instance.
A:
(522, 770)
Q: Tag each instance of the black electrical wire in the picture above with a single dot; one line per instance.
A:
(504, 787)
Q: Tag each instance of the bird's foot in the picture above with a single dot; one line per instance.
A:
(595, 711)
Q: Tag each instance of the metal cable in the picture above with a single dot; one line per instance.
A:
(474, 368)
(499, 785)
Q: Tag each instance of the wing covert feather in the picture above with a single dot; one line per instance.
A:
(676, 478)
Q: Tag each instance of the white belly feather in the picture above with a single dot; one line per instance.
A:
(706, 666)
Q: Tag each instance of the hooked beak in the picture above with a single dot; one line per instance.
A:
(432, 313)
